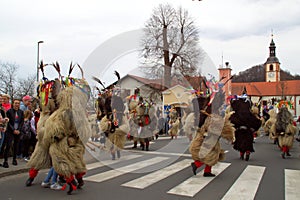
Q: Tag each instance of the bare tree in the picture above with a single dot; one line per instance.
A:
(26, 86)
(10, 84)
(170, 43)
(8, 79)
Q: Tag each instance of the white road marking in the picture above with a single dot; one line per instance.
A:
(109, 162)
(193, 185)
(126, 169)
(246, 185)
(292, 183)
(156, 176)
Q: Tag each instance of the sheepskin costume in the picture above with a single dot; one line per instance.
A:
(269, 123)
(245, 123)
(147, 131)
(284, 130)
(143, 122)
(209, 134)
(40, 158)
(67, 131)
(115, 124)
(174, 123)
(205, 147)
(255, 111)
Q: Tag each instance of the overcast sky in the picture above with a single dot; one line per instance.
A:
(72, 30)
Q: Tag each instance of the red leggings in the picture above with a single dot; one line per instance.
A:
(199, 164)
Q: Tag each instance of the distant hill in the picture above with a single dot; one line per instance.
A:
(257, 74)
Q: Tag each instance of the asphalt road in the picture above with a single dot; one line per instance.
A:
(164, 172)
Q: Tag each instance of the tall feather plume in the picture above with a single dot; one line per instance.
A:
(118, 75)
(71, 68)
(98, 80)
(57, 68)
(80, 70)
(42, 65)
(98, 89)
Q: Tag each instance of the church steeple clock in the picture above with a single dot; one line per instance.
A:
(272, 65)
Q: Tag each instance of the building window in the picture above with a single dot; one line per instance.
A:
(271, 68)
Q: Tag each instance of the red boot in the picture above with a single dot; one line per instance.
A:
(207, 171)
(196, 164)
(32, 174)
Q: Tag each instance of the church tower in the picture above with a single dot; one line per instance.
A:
(225, 73)
(272, 65)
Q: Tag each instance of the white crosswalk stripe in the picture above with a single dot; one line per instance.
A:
(246, 185)
(154, 177)
(129, 168)
(193, 185)
(292, 183)
(109, 162)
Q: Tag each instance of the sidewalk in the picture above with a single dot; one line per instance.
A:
(23, 168)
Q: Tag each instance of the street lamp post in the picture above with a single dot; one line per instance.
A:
(38, 60)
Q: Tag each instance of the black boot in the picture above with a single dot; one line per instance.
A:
(5, 164)
(134, 145)
(288, 154)
(242, 156)
(194, 168)
(80, 183)
(14, 162)
(247, 157)
(61, 180)
(208, 174)
(283, 155)
(143, 146)
(72, 186)
(29, 182)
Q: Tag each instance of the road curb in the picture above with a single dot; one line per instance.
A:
(14, 172)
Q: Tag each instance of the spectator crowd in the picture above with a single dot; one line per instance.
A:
(18, 122)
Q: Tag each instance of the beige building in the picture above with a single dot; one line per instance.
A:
(177, 96)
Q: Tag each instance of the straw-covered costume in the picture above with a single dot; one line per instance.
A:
(143, 120)
(285, 130)
(67, 130)
(115, 124)
(268, 125)
(174, 123)
(48, 91)
(211, 126)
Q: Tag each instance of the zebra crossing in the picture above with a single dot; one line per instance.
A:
(244, 187)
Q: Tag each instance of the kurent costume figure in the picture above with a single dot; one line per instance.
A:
(114, 124)
(268, 125)
(47, 93)
(284, 130)
(205, 147)
(143, 122)
(174, 123)
(64, 134)
(245, 123)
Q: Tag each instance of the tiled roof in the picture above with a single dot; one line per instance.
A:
(188, 81)
(288, 88)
